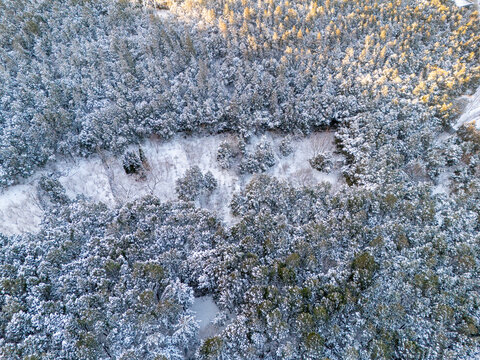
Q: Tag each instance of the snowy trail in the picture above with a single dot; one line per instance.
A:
(102, 177)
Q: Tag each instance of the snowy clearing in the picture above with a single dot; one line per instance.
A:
(20, 211)
(471, 113)
(443, 184)
(163, 14)
(103, 178)
(205, 311)
(462, 3)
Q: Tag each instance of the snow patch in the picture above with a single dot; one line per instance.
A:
(462, 3)
(296, 168)
(163, 14)
(20, 210)
(205, 310)
(471, 113)
(442, 186)
(88, 177)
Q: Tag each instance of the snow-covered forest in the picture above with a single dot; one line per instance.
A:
(239, 179)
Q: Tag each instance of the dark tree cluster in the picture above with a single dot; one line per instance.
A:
(322, 162)
(135, 163)
(260, 159)
(195, 184)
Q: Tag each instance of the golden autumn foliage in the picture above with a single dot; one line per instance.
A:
(429, 49)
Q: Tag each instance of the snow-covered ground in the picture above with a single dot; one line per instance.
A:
(443, 184)
(205, 311)
(462, 3)
(102, 177)
(20, 211)
(163, 14)
(471, 113)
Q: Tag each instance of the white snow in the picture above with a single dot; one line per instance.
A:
(471, 113)
(461, 3)
(442, 137)
(168, 161)
(20, 211)
(88, 177)
(442, 186)
(296, 169)
(205, 310)
(102, 177)
(163, 14)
